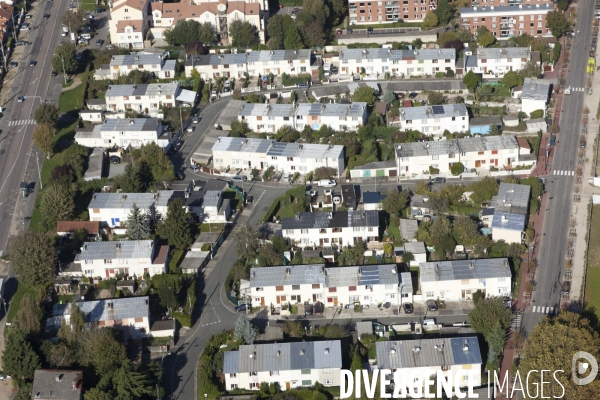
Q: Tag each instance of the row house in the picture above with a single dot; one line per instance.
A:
(121, 133)
(128, 23)
(146, 98)
(206, 202)
(459, 279)
(287, 365)
(120, 65)
(489, 3)
(261, 154)
(435, 120)
(508, 21)
(327, 229)
(403, 63)
(6, 19)
(385, 12)
(253, 63)
(373, 285)
(130, 257)
(509, 212)
(339, 117)
(496, 61)
(267, 118)
(480, 153)
(112, 209)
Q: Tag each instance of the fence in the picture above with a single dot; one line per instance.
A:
(232, 299)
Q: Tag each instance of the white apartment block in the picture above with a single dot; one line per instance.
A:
(481, 153)
(435, 120)
(420, 358)
(112, 209)
(297, 284)
(250, 153)
(495, 62)
(290, 365)
(147, 98)
(134, 132)
(276, 62)
(128, 23)
(403, 63)
(130, 257)
(325, 229)
(123, 64)
(339, 117)
(459, 279)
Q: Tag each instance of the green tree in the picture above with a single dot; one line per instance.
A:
(276, 28)
(294, 329)
(108, 355)
(97, 394)
(339, 9)
(64, 59)
(43, 137)
(557, 23)
(19, 359)
(484, 189)
(364, 94)
(318, 9)
(444, 12)
(562, 4)
(496, 340)
(239, 129)
(537, 114)
(29, 315)
(408, 257)
(464, 230)
(471, 81)
(356, 364)
(75, 21)
(137, 224)
(297, 260)
(512, 79)
(247, 242)
(33, 258)
(176, 227)
(487, 313)
(292, 39)
(129, 383)
(485, 38)
(435, 98)
(530, 70)
(431, 19)
(244, 330)
(60, 355)
(47, 114)
(168, 298)
(57, 204)
(537, 187)
(440, 227)
(243, 33)
(187, 31)
(389, 97)
(395, 202)
(423, 189)
(130, 180)
(157, 160)
(324, 173)
(457, 169)
(206, 33)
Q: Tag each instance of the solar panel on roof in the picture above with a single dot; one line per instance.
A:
(438, 109)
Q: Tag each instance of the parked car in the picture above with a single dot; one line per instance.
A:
(438, 180)
(46, 16)
(25, 27)
(14, 64)
(349, 30)
(369, 30)
(54, 73)
(239, 178)
(318, 307)
(20, 99)
(194, 168)
(326, 183)
(86, 36)
(20, 43)
(99, 42)
(109, 47)
(408, 308)
(432, 305)
(179, 175)
(177, 145)
(115, 159)
(63, 33)
(99, 11)
(242, 307)
(287, 177)
(190, 128)
(308, 309)
(195, 120)
(339, 31)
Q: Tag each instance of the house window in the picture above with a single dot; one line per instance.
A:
(107, 261)
(304, 231)
(494, 151)
(233, 375)
(451, 155)
(430, 294)
(332, 290)
(274, 373)
(480, 153)
(328, 382)
(305, 371)
(295, 287)
(289, 231)
(254, 385)
(352, 288)
(279, 288)
(307, 383)
(316, 285)
(234, 386)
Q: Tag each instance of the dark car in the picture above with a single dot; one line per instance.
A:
(308, 309)
(438, 180)
(14, 64)
(180, 176)
(334, 70)
(369, 30)
(20, 99)
(54, 73)
(413, 95)
(46, 16)
(242, 307)
(177, 145)
(115, 159)
(318, 307)
(99, 11)
(432, 305)
(408, 308)
(249, 199)
(349, 30)
(99, 42)
(32, 63)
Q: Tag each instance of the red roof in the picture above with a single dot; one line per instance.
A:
(161, 255)
(407, 103)
(92, 227)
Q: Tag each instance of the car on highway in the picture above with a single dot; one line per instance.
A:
(20, 99)
(242, 307)
(46, 16)
(194, 168)
(54, 73)
(115, 160)
(408, 308)
(99, 42)
(431, 305)
(20, 43)
(190, 129)
(369, 30)
(438, 180)
(180, 176)
(195, 120)
(32, 63)
(13, 64)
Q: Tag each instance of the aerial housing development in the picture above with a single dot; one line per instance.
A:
(214, 199)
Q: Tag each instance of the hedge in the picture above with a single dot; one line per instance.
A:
(293, 81)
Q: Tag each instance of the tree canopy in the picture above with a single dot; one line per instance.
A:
(43, 137)
(176, 227)
(471, 80)
(47, 113)
(365, 94)
(242, 33)
(557, 23)
(20, 359)
(395, 202)
(33, 258)
(130, 180)
(244, 330)
(484, 189)
(187, 31)
(485, 38)
(75, 21)
(65, 53)
(137, 224)
(512, 79)
(444, 12)
(57, 204)
(487, 313)
(431, 19)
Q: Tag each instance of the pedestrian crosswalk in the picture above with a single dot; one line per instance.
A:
(545, 310)
(565, 173)
(22, 122)
(516, 321)
(577, 89)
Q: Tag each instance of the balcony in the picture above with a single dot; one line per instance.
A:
(392, 4)
(352, 6)
(514, 2)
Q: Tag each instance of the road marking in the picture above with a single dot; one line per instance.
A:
(22, 122)
(545, 310)
(563, 173)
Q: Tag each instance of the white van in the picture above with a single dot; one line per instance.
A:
(65, 29)
(326, 69)
(86, 36)
(430, 321)
(326, 183)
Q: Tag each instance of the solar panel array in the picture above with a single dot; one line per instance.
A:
(464, 269)
(438, 110)
(153, 89)
(116, 250)
(114, 309)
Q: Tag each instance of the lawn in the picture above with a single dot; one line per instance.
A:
(15, 302)
(592, 280)
(90, 5)
(72, 99)
(393, 230)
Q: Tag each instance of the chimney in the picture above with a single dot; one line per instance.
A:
(59, 378)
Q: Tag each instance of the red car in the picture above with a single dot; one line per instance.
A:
(339, 32)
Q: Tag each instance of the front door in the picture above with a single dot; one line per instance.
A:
(463, 294)
(262, 301)
(477, 163)
(335, 302)
(288, 386)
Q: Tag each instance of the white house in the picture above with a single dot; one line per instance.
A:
(146, 98)
(480, 153)
(339, 117)
(112, 209)
(267, 118)
(128, 23)
(495, 62)
(129, 314)
(124, 64)
(511, 209)
(237, 152)
(535, 95)
(372, 200)
(121, 133)
(418, 250)
(205, 201)
(435, 120)
(372, 285)
(324, 229)
(459, 279)
(396, 62)
(420, 358)
(129, 257)
(290, 365)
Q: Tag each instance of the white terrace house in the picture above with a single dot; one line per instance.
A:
(459, 279)
(290, 365)
(206, 203)
(118, 132)
(495, 62)
(112, 209)
(396, 62)
(147, 98)
(480, 153)
(421, 358)
(339, 117)
(435, 120)
(510, 211)
(325, 229)
(123, 64)
(130, 257)
(373, 285)
(267, 118)
(236, 152)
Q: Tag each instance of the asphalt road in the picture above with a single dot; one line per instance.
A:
(551, 259)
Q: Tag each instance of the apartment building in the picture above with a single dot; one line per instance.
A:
(324, 229)
(128, 23)
(459, 279)
(385, 12)
(435, 120)
(396, 62)
(420, 358)
(123, 64)
(112, 209)
(506, 21)
(495, 62)
(121, 133)
(339, 117)
(147, 98)
(481, 153)
(288, 365)
(535, 95)
(130, 257)
(254, 63)
(372, 285)
(510, 211)
(286, 157)
(57, 384)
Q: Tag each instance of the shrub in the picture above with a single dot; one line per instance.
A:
(457, 169)
(450, 73)
(433, 171)
(287, 80)
(183, 319)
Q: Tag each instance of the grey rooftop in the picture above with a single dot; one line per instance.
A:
(338, 219)
(57, 384)
(535, 89)
(144, 201)
(427, 112)
(116, 250)
(277, 149)
(468, 144)
(464, 269)
(129, 124)
(373, 54)
(498, 53)
(108, 309)
(153, 89)
(356, 109)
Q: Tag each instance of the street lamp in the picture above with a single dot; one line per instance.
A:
(63, 64)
